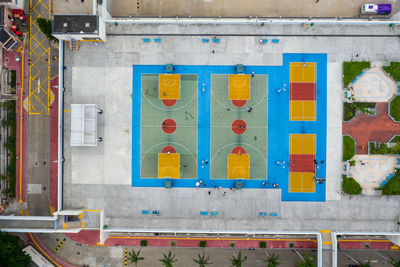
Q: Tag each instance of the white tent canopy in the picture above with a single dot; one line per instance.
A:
(83, 125)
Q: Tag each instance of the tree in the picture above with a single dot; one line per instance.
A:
(202, 260)
(272, 261)
(238, 260)
(45, 27)
(10, 253)
(364, 264)
(134, 257)
(394, 262)
(308, 261)
(167, 260)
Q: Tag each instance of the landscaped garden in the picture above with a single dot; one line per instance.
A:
(352, 69)
(10, 145)
(394, 108)
(349, 148)
(350, 186)
(394, 70)
(383, 148)
(352, 109)
(393, 186)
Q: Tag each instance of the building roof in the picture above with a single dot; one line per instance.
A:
(77, 24)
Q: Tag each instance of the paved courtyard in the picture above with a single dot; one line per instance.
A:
(365, 128)
(100, 177)
(373, 85)
(370, 170)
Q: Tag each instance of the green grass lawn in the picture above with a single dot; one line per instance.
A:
(352, 69)
(394, 70)
(351, 186)
(349, 148)
(395, 108)
(393, 186)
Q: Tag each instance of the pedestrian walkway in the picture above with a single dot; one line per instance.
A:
(364, 128)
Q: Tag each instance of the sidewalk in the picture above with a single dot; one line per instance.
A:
(21, 68)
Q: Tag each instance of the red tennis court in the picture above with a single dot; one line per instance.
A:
(302, 91)
(302, 163)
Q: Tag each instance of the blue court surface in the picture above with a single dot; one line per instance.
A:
(201, 131)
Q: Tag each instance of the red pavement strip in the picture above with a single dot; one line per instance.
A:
(91, 237)
(302, 91)
(87, 237)
(361, 244)
(35, 241)
(364, 128)
(54, 145)
(215, 242)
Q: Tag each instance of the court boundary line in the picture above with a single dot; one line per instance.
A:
(162, 108)
(161, 143)
(243, 109)
(255, 148)
(315, 67)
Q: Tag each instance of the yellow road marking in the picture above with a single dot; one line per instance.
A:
(39, 57)
(90, 210)
(48, 76)
(325, 231)
(21, 123)
(91, 40)
(39, 43)
(44, 253)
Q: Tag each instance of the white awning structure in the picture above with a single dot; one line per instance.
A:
(83, 125)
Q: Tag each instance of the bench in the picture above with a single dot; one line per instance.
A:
(146, 40)
(204, 213)
(205, 40)
(275, 41)
(157, 40)
(273, 214)
(145, 212)
(216, 40)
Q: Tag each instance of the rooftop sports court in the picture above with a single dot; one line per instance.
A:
(265, 126)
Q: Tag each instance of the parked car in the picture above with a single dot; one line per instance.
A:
(376, 9)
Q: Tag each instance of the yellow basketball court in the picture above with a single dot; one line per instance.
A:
(169, 86)
(303, 72)
(302, 144)
(238, 166)
(301, 182)
(168, 165)
(303, 110)
(239, 87)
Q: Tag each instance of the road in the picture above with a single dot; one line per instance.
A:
(39, 104)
